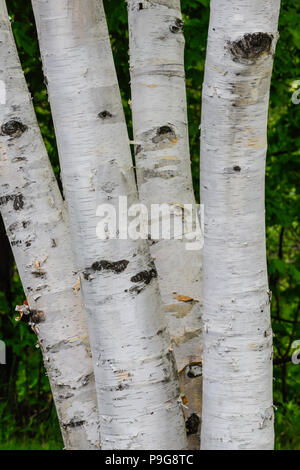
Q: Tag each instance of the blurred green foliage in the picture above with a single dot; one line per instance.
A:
(27, 413)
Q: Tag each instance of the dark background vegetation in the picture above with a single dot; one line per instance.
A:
(27, 414)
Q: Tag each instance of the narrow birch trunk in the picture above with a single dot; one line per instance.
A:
(164, 177)
(35, 220)
(136, 375)
(237, 375)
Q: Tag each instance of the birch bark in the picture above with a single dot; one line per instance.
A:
(164, 177)
(135, 372)
(34, 216)
(237, 375)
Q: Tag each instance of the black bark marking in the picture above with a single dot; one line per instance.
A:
(16, 243)
(115, 266)
(86, 276)
(145, 276)
(5, 199)
(18, 159)
(178, 27)
(18, 202)
(195, 370)
(237, 168)
(104, 114)
(86, 379)
(40, 274)
(33, 316)
(36, 316)
(164, 174)
(13, 226)
(140, 6)
(73, 424)
(39, 288)
(251, 46)
(192, 424)
(137, 149)
(150, 240)
(13, 128)
(122, 386)
(104, 265)
(163, 133)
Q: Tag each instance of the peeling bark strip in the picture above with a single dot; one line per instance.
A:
(164, 172)
(137, 383)
(251, 46)
(55, 312)
(237, 357)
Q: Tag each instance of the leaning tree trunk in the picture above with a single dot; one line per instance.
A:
(135, 372)
(237, 375)
(164, 177)
(35, 220)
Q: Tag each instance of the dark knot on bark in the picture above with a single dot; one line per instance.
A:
(104, 114)
(13, 128)
(162, 133)
(178, 27)
(251, 46)
(192, 424)
(237, 168)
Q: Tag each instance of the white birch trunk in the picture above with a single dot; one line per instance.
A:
(237, 375)
(162, 159)
(136, 376)
(34, 216)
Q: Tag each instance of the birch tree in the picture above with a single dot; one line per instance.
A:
(136, 377)
(35, 219)
(162, 160)
(237, 375)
